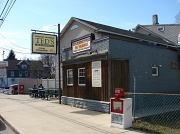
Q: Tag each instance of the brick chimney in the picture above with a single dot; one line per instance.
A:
(155, 19)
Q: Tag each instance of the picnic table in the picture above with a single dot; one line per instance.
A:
(33, 92)
(44, 93)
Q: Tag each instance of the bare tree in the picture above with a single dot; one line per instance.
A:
(36, 69)
(49, 62)
(177, 17)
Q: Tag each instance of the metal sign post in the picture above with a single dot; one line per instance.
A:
(59, 63)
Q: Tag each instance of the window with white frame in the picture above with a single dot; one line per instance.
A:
(81, 77)
(20, 73)
(70, 77)
(12, 73)
(155, 71)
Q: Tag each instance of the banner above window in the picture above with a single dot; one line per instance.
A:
(82, 44)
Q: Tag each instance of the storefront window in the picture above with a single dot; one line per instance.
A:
(81, 77)
(70, 77)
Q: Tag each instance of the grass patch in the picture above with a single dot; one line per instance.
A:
(166, 123)
(154, 128)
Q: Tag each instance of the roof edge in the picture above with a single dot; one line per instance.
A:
(78, 20)
(138, 38)
(154, 34)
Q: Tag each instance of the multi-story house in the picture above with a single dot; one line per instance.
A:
(23, 69)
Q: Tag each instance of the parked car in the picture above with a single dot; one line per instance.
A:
(13, 89)
(5, 89)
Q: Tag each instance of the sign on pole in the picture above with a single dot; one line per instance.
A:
(3, 72)
(3, 64)
(44, 43)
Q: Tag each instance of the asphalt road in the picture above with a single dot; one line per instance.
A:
(4, 129)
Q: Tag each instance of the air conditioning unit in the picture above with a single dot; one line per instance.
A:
(161, 29)
(179, 39)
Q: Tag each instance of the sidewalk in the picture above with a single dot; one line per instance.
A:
(35, 116)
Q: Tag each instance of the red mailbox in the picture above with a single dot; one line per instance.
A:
(118, 93)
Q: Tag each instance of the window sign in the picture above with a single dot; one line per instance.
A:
(96, 74)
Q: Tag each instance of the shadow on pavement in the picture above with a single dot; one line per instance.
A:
(2, 125)
(87, 112)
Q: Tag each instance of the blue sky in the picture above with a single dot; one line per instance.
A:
(15, 33)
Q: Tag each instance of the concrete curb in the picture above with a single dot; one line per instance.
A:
(9, 125)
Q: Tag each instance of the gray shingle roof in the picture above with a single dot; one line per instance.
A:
(170, 31)
(13, 64)
(118, 31)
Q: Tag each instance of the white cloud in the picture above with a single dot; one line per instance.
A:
(48, 27)
(52, 28)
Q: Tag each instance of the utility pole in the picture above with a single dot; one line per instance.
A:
(3, 55)
(59, 63)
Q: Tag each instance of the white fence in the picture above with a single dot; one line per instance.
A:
(49, 83)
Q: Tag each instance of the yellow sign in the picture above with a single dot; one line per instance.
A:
(44, 43)
(81, 45)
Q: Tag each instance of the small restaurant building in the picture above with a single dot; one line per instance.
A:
(97, 58)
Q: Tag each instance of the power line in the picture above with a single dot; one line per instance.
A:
(1, 3)
(7, 8)
(12, 42)
(4, 8)
(14, 51)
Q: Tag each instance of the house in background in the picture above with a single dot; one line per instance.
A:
(23, 69)
(97, 58)
(168, 32)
